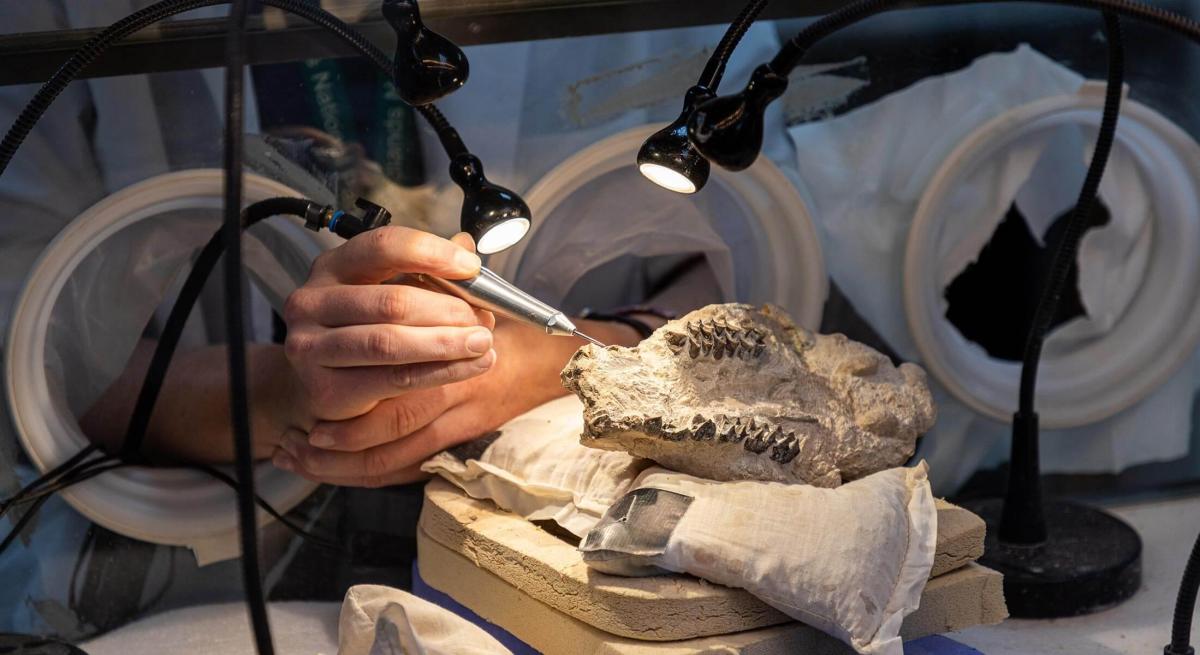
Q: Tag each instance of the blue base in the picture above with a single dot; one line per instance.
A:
(931, 645)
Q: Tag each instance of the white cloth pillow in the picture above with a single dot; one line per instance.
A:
(535, 467)
(851, 561)
(378, 620)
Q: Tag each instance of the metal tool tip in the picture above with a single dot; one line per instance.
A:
(587, 338)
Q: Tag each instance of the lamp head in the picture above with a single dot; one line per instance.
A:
(728, 130)
(669, 159)
(494, 216)
(427, 65)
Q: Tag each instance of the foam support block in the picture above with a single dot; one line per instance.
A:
(972, 595)
(550, 571)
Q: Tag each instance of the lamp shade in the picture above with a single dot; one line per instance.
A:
(494, 216)
(427, 65)
(668, 157)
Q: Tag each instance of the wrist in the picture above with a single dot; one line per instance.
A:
(611, 333)
(278, 390)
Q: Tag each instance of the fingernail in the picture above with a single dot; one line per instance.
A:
(321, 439)
(284, 461)
(480, 341)
(486, 361)
(467, 260)
(291, 444)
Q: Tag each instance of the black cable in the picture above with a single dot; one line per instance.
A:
(235, 327)
(47, 477)
(714, 69)
(22, 522)
(271, 511)
(172, 330)
(1185, 606)
(88, 52)
(793, 51)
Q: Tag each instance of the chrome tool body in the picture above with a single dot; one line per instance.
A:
(495, 294)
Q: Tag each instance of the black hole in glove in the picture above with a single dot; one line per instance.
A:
(993, 300)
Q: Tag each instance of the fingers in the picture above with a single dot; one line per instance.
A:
(378, 464)
(371, 384)
(381, 254)
(387, 345)
(398, 304)
(284, 460)
(464, 240)
(390, 420)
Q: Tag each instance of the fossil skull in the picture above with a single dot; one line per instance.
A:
(736, 392)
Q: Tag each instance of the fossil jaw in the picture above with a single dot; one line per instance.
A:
(734, 392)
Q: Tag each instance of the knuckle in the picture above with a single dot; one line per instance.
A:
(321, 261)
(297, 346)
(383, 345)
(403, 419)
(375, 464)
(380, 240)
(448, 343)
(297, 307)
(402, 377)
(395, 304)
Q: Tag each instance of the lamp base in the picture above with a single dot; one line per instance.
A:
(1090, 561)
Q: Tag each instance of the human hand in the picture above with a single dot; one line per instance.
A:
(387, 445)
(355, 339)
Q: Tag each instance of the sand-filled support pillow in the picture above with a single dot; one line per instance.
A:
(534, 466)
(378, 620)
(850, 561)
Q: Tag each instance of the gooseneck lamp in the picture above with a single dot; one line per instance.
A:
(427, 66)
(668, 158)
(1058, 559)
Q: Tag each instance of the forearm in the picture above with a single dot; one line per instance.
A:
(191, 418)
(535, 378)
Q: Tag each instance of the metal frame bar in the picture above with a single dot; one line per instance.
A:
(199, 43)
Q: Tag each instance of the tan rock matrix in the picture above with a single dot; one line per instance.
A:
(737, 392)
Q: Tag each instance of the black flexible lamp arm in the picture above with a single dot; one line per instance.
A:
(714, 70)
(727, 130)
(1022, 520)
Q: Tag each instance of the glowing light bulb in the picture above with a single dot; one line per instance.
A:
(502, 235)
(667, 178)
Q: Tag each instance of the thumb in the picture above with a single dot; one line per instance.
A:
(464, 240)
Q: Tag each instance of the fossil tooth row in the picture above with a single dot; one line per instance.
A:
(717, 339)
(755, 437)
(755, 398)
